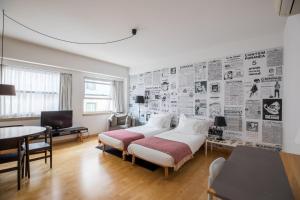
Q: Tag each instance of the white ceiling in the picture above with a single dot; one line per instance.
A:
(167, 28)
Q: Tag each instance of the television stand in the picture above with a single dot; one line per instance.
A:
(79, 131)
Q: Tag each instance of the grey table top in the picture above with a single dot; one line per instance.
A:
(252, 173)
(20, 131)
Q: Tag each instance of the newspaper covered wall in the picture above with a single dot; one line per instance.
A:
(246, 88)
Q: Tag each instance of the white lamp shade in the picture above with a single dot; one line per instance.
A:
(297, 138)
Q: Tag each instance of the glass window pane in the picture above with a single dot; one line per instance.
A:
(97, 105)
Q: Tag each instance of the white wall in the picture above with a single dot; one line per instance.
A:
(291, 84)
(78, 66)
(221, 50)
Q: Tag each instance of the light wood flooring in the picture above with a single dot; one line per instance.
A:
(80, 171)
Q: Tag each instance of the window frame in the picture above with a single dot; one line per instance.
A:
(96, 97)
(32, 69)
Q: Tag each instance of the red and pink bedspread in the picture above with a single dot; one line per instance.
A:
(125, 136)
(179, 151)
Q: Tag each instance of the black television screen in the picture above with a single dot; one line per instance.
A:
(57, 119)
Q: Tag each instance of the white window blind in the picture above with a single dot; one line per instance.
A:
(97, 96)
(36, 91)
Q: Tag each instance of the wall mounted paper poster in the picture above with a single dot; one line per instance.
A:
(272, 132)
(200, 107)
(253, 109)
(200, 71)
(215, 89)
(148, 79)
(215, 109)
(271, 87)
(233, 116)
(201, 87)
(254, 62)
(252, 128)
(234, 93)
(233, 67)
(215, 70)
(252, 89)
(272, 109)
(274, 57)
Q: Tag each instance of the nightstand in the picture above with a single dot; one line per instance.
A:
(226, 143)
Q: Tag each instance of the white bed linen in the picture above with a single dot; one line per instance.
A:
(194, 141)
(145, 130)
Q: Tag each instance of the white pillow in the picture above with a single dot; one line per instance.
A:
(192, 126)
(162, 120)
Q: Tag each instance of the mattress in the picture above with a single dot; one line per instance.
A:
(194, 141)
(145, 130)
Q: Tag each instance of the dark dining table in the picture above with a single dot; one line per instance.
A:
(15, 132)
(253, 173)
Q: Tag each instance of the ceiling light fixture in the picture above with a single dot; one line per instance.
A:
(5, 89)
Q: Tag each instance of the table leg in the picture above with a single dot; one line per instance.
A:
(206, 148)
(27, 157)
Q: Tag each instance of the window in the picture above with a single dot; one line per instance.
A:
(36, 91)
(97, 96)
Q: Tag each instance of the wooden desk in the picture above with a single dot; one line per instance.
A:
(252, 173)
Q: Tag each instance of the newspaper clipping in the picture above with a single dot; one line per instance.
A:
(234, 94)
(252, 89)
(272, 132)
(215, 109)
(215, 70)
(271, 87)
(253, 109)
(148, 79)
(272, 109)
(233, 67)
(215, 90)
(233, 117)
(254, 62)
(274, 57)
(252, 128)
(200, 107)
(200, 71)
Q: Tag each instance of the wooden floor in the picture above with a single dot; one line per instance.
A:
(80, 171)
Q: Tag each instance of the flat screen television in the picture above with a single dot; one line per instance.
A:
(57, 119)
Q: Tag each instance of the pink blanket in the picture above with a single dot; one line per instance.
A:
(178, 150)
(125, 136)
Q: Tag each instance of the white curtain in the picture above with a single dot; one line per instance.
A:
(36, 91)
(118, 96)
(65, 92)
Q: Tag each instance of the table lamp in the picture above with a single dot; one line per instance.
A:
(139, 100)
(220, 122)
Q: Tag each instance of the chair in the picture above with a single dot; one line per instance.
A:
(120, 121)
(214, 170)
(11, 151)
(42, 144)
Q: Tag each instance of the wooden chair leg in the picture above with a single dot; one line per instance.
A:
(166, 171)
(19, 174)
(50, 158)
(23, 167)
(27, 173)
(133, 160)
(46, 156)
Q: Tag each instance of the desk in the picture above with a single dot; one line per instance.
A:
(253, 173)
(7, 133)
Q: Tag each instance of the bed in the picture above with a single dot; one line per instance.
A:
(120, 139)
(186, 137)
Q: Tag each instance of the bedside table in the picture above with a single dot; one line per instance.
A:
(227, 143)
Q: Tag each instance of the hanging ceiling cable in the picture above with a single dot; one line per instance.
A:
(133, 33)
